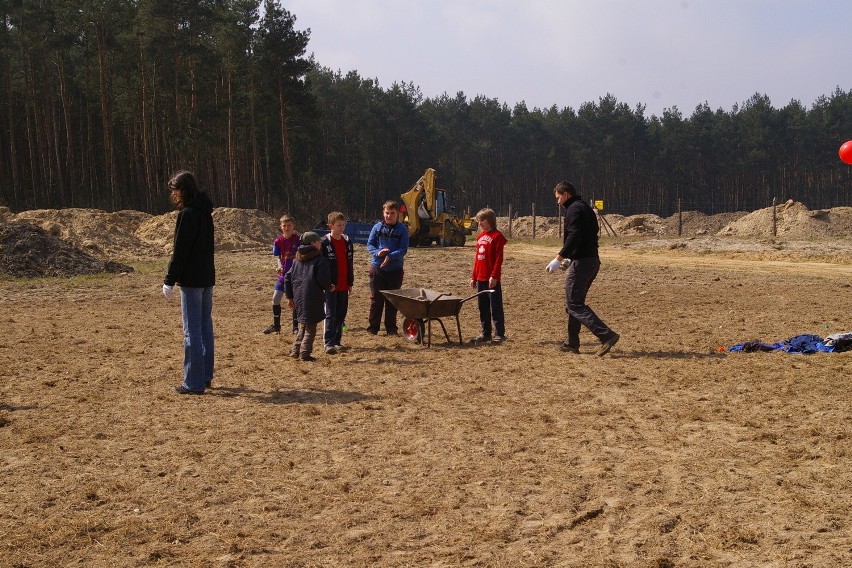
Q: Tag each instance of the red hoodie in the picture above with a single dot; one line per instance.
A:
(489, 255)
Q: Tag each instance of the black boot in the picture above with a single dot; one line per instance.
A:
(276, 321)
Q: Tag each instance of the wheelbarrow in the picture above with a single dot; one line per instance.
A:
(419, 307)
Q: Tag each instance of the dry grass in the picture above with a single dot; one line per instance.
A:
(663, 453)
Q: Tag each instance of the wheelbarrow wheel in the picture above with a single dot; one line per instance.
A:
(412, 329)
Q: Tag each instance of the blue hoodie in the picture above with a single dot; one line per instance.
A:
(391, 237)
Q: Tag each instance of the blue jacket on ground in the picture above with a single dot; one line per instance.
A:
(392, 237)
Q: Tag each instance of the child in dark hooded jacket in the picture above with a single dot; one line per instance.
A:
(305, 285)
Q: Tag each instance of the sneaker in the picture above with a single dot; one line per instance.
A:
(294, 354)
(565, 348)
(272, 329)
(185, 390)
(340, 348)
(331, 350)
(607, 345)
(499, 338)
(307, 358)
(482, 338)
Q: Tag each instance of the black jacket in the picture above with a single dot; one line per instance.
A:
(306, 282)
(192, 262)
(580, 230)
(328, 252)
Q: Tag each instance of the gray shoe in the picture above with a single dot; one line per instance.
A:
(565, 348)
(607, 345)
(331, 350)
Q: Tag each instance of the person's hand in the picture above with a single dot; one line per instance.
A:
(554, 265)
(333, 288)
(280, 271)
(291, 304)
(385, 261)
(383, 253)
(168, 291)
(492, 282)
(472, 283)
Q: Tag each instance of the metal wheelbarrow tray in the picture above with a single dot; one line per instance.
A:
(420, 306)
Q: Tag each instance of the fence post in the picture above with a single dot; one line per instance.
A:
(774, 220)
(679, 218)
(533, 216)
(510, 220)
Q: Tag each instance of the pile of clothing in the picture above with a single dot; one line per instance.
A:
(805, 344)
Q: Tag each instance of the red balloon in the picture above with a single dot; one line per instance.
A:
(846, 152)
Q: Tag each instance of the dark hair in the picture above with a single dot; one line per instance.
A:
(565, 187)
(185, 181)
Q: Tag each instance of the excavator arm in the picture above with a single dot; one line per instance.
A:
(420, 201)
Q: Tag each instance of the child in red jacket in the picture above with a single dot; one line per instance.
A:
(487, 267)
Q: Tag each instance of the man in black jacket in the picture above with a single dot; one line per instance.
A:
(192, 267)
(580, 249)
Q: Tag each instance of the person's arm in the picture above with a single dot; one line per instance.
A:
(288, 284)
(373, 240)
(572, 234)
(403, 241)
(185, 233)
(497, 269)
(323, 274)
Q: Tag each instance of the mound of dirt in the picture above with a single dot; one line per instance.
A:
(235, 229)
(97, 232)
(28, 251)
(793, 220)
(137, 234)
(522, 227)
(696, 223)
(238, 229)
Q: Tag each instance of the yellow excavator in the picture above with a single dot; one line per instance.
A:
(427, 216)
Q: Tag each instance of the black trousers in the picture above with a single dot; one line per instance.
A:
(491, 308)
(383, 280)
(581, 273)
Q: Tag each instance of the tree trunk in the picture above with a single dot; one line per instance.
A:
(106, 119)
(285, 144)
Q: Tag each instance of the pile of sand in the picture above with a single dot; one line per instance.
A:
(793, 220)
(27, 251)
(696, 223)
(97, 232)
(137, 234)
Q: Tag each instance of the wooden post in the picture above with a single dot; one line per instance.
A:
(510, 220)
(559, 216)
(679, 218)
(774, 220)
(533, 220)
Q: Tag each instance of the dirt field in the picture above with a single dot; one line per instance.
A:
(666, 452)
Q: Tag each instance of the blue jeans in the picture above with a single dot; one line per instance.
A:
(336, 306)
(196, 306)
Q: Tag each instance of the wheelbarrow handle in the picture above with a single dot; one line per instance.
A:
(477, 294)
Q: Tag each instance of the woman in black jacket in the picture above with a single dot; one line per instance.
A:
(193, 269)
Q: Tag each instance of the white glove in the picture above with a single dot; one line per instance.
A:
(554, 265)
(168, 291)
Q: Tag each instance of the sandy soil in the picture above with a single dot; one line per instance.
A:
(666, 452)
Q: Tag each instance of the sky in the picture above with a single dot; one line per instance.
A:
(658, 53)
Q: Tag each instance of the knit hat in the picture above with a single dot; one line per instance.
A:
(310, 237)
